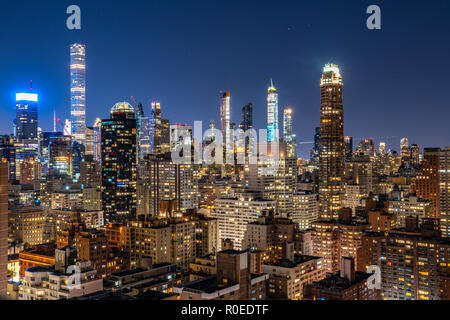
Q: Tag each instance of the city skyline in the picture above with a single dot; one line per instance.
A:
(295, 77)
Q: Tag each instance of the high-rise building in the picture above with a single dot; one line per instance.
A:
(162, 182)
(235, 213)
(404, 143)
(3, 228)
(279, 185)
(159, 131)
(180, 135)
(348, 146)
(26, 116)
(413, 261)
(382, 148)
(225, 117)
(426, 183)
(78, 91)
(119, 161)
(272, 114)
(60, 160)
(444, 191)
(97, 143)
(247, 117)
(288, 134)
(332, 149)
(314, 155)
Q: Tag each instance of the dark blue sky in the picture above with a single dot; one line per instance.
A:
(183, 53)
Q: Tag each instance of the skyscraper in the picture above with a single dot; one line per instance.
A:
(159, 131)
(426, 183)
(332, 147)
(78, 91)
(289, 136)
(225, 116)
(444, 191)
(272, 114)
(26, 116)
(119, 161)
(3, 228)
(97, 144)
(247, 117)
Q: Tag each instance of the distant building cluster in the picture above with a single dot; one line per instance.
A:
(104, 212)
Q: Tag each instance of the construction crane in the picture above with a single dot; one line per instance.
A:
(135, 103)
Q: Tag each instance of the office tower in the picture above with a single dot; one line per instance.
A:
(78, 91)
(8, 153)
(235, 213)
(180, 135)
(288, 134)
(348, 146)
(159, 131)
(89, 145)
(119, 163)
(3, 228)
(444, 191)
(314, 154)
(247, 117)
(163, 181)
(332, 148)
(413, 261)
(404, 143)
(366, 147)
(348, 284)
(225, 117)
(27, 116)
(288, 277)
(272, 114)
(24, 149)
(359, 170)
(90, 173)
(426, 183)
(144, 137)
(60, 160)
(97, 143)
(382, 148)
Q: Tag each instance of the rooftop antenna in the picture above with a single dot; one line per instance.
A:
(271, 83)
(31, 85)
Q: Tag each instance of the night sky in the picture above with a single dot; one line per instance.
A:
(183, 53)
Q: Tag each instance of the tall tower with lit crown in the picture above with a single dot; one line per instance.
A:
(78, 91)
(272, 114)
(331, 145)
(288, 133)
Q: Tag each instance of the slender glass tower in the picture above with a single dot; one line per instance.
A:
(225, 117)
(272, 114)
(331, 144)
(288, 134)
(78, 91)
